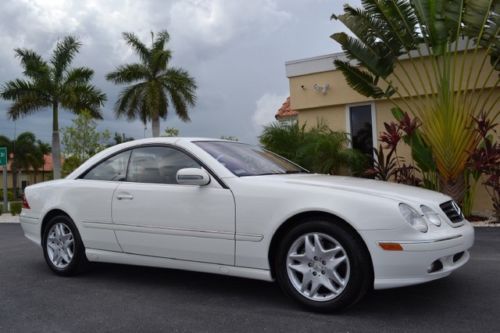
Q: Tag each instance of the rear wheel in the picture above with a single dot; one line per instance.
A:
(323, 266)
(62, 247)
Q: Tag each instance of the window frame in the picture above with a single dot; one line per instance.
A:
(166, 145)
(95, 165)
(373, 111)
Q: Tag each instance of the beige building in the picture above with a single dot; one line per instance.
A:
(319, 92)
(28, 177)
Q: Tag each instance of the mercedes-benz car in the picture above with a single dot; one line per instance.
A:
(230, 208)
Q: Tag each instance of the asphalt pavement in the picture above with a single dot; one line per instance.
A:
(119, 298)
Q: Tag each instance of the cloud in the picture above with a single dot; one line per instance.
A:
(235, 50)
(266, 108)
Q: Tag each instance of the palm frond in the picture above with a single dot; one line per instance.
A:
(83, 96)
(78, 75)
(361, 81)
(161, 39)
(63, 55)
(33, 64)
(129, 100)
(142, 51)
(367, 55)
(26, 105)
(159, 61)
(129, 73)
(433, 24)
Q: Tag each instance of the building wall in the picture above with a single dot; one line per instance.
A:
(28, 177)
(331, 107)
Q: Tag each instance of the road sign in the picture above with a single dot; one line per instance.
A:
(3, 156)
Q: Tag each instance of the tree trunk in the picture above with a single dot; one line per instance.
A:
(56, 144)
(454, 188)
(155, 126)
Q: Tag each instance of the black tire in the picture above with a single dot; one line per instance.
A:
(78, 262)
(360, 276)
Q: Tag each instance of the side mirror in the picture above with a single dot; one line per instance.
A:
(192, 176)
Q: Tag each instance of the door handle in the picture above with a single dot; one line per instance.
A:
(125, 196)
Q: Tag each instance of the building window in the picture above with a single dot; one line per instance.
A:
(361, 128)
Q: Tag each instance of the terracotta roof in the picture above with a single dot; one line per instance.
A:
(48, 167)
(285, 111)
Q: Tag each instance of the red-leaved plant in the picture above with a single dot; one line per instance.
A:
(391, 166)
(485, 160)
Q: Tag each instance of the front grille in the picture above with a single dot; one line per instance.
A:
(451, 209)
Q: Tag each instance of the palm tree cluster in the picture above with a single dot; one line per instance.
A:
(440, 85)
(154, 86)
(27, 155)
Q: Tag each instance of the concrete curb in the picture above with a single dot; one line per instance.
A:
(8, 218)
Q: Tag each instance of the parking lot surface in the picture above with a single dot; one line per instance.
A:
(117, 298)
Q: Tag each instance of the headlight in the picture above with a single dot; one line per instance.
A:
(413, 217)
(431, 215)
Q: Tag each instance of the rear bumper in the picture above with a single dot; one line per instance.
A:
(31, 228)
(420, 260)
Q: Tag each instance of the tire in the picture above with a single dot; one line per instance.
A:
(321, 279)
(63, 248)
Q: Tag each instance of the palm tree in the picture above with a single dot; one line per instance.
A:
(26, 155)
(153, 85)
(53, 84)
(441, 86)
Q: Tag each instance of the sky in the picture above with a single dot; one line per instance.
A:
(235, 49)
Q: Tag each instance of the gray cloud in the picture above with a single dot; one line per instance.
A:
(235, 49)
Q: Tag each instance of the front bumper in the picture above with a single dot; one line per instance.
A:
(421, 260)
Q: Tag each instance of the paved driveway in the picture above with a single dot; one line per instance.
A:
(124, 298)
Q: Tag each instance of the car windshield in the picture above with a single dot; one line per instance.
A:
(246, 160)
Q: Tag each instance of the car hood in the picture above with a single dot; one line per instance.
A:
(362, 185)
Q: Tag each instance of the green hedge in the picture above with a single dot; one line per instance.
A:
(16, 207)
(10, 195)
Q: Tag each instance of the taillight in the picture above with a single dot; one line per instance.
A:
(26, 205)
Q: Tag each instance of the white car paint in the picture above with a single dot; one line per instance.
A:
(227, 226)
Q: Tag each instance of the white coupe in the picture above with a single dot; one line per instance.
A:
(230, 208)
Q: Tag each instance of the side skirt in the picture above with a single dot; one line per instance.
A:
(140, 260)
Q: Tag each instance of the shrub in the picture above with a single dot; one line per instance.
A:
(10, 195)
(15, 208)
(318, 149)
(1, 209)
(485, 160)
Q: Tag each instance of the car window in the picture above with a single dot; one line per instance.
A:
(158, 165)
(246, 160)
(113, 169)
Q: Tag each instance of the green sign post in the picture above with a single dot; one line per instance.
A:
(3, 164)
(3, 156)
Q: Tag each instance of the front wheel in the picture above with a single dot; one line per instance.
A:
(62, 247)
(323, 266)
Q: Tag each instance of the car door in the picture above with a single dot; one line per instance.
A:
(155, 216)
(92, 196)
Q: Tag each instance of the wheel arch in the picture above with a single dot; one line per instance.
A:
(48, 216)
(302, 218)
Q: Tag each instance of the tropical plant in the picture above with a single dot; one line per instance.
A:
(318, 149)
(485, 160)
(82, 140)
(120, 138)
(170, 132)
(446, 45)
(154, 86)
(53, 84)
